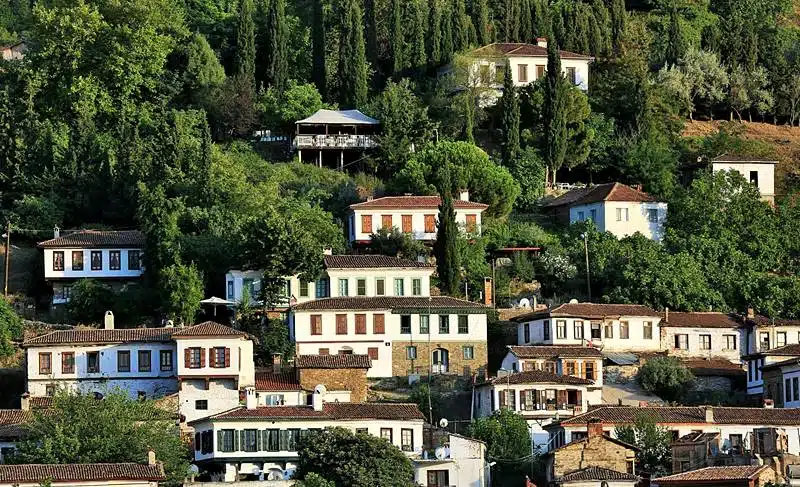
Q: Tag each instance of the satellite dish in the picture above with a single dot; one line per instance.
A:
(525, 303)
(441, 453)
(443, 423)
(573, 301)
(194, 469)
(275, 475)
(320, 389)
(256, 471)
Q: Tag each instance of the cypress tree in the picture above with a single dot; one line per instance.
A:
(525, 21)
(469, 118)
(513, 21)
(480, 16)
(319, 68)
(618, 18)
(435, 34)
(509, 107)
(676, 47)
(445, 249)
(447, 48)
(460, 26)
(371, 32)
(276, 52)
(555, 121)
(545, 19)
(602, 22)
(557, 30)
(352, 57)
(580, 16)
(416, 56)
(246, 41)
(396, 32)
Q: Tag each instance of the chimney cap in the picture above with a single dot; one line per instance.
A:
(151, 456)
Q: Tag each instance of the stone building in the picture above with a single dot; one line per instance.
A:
(730, 476)
(336, 372)
(702, 334)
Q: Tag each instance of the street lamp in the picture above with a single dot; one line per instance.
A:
(585, 237)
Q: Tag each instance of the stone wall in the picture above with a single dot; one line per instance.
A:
(712, 383)
(402, 366)
(596, 451)
(619, 374)
(353, 380)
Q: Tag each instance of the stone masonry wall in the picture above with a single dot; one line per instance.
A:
(402, 366)
(595, 452)
(353, 380)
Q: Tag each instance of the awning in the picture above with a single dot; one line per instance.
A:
(621, 358)
(340, 117)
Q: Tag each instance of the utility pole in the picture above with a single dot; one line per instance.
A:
(7, 258)
(586, 251)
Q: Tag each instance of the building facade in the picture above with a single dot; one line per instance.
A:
(575, 361)
(758, 171)
(759, 361)
(455, 460)
(83, 475)
(702, 334)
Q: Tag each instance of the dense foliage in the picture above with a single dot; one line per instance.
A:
(654, 444)
(508, 442)
(665, 377)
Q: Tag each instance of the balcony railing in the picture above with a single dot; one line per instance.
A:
(335, 142)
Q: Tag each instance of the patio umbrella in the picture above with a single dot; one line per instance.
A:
(215, 301)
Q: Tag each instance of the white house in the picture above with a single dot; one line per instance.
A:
(759, 171)
(757, 362)
(617, 327)
(539, 396)
(83, 474)
(575, 361)
(456, 460)
(782, 380)
(415, 215)
(612, 207)
(114, 257)
(250, 442)
(335, 132)
(703, 334)
(762, 333)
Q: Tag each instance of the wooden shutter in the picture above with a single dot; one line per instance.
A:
(561, 399)
(472, 222)
(361, 324)
(227, 357)
(501, 397)
(407, 223)
(378, 324)
(386, 221)
(187, 357)
(316, 324)
(430, 223)
(341, 324)
(536, 398)
(579, 397)
(366, 224)
(219, 440)
(211, 358)
(523, 400)
(373, 353)
(202, 357)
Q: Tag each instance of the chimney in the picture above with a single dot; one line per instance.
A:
(25, 401)
(637, 187)
(709, 414)
(327, 251)
(463, 195)
(316, 397)
(594, 428)
(108, 321)
(276, 363)
(751, 313)
(541, 42)
(370, 198)
(250, 398)
(151, 457)
(769, 404)
(666, 315)
(56, 232)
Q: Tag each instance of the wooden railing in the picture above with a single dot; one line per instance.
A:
(335, 142)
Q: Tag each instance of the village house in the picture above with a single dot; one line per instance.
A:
(726, 476)
(451, 459)
(84, 474)
(757, 362)
(113, 257)
(13, 52)
(11, 430)
(782, 382)
(702, 334)
(576, 361)
(414, 215)
(612, 207)
(610, 327)
(715, 374)
(758, 171)
(342, 134)
(763, 333)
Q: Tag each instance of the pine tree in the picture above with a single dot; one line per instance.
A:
(509, 107)
(469, 117)
(435, 33)
(416, 55)
(618, 19)
(480, 17)
(352, 68)
(246, 41)
(676, 46)
(320, 69)
(276, 52)
(555, 122)
(460, 26)
(445, 249)
(397, 41)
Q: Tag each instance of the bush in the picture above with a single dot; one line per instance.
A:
(665, 377)
(89, 300)
(10, 328)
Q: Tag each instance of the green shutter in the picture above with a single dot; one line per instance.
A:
(258, 441)
(219, 440)
(284, 440)
(236, 443)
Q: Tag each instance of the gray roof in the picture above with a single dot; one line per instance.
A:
(342, 117)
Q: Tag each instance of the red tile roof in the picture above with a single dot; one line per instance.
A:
(782, 363)
(387, 303)
(596, 473)
(87, 472)
(719, 474)
(701, 320)
(687, 415)
(714, 367)
(97, 239)
(538, 377)
(349, 361)
(743, 158)
(117, 335)
(785, 351)
(600, 192)
(370, 261)
(209, 328)
(589, 311)
(266, 380)
(330, 411)
(759, 320)
(516, 49)
(12, 421)
(41, 402)
(552, 351)
(415, 202)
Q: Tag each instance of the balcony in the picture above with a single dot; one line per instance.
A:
(335, 142)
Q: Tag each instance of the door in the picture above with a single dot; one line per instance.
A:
(438, 478)
(441, 359)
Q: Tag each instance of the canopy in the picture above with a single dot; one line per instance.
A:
(216, 301)
(338, 117)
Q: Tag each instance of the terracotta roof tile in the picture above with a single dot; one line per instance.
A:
(551, 351)
(522, 50)
(387, 302)
(733, 472)
(782, 363)
(370, 261)
(352, 361)
(759, 320)
(208, 328)
(685, 414)
(41, 402)
(284, 381)
(12, 421)
(695, 437)
(87, 472)
(330, 411)
(590, 311)
(596, 473)
(714, 367)
(96, 239)
(743, 158)
(117, 335)
(415, 202)
(701, 320)
(792, 350)
(600, 192)
(538, 377)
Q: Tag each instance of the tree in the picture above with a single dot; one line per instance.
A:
(480, 17)
(281, 111)
(507, 437)
(665, 377)
(203, 69)
(315, 480)
(89, 300)
(555, 123)
(509, 107)
(789, 98)
(394, 243)
(10, 328)
(705, 76)
(445, 248)
(246, 41)
(416, 56)
(461, 26)
(117, 429)
(529, 171)
(318, 43)
(435, 40)
(352, 460)
(397, 41)
(469, 117)
(618, 19)
(352, 57)
(676, 43)
(182, 288)
(275, 47)
(654, 444)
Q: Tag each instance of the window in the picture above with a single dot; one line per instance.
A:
(589, 368)
(795, 389)
(361, 324)
(58, 260)
(45, 363)
(341, 324)
(754, 177)
(405, 324)
(595, 330)
(272, 439)
(366, 223)
(386, 434)
(386, 222)
(220, 358)
(730, 342)
(380, 286)
(144, 360)
(609, 330)
(274, 400)
(372, 352)
(250, 440)
(682, 342)
(705, 342)
(321, 288)
(361, 287)
(570, 368)
(378, 324)
(593, 215)
(781, 339)
(96, 258)
(294, 438)
(787, 392)
(406, 223)
(541, 69)
(572, 75)
(303, 289)
(201, 404)
(424, 324)
(499, 73)
(444, 324)
(194, 356)
(647, 330)
(463, 324)
(399, 289)
(77, 260)
(652, 215)
(546, 329)
(416, 287)
(316, 324)
(578, 330)
(430, 223)
(624, 330)
(50, 390)
(526, 332)
(134, 260)
(123, 361)
(343, 287)
(165, 359)
(67, 362)
(622, 214)
(736, 442)
(324, 351)
(469, 352)
(411, 352)
(764, 340)
(92, 362)
(561, 329)
(581, 216)
(114, 260)
(230, 291)
(522, 73)
(407, 439)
